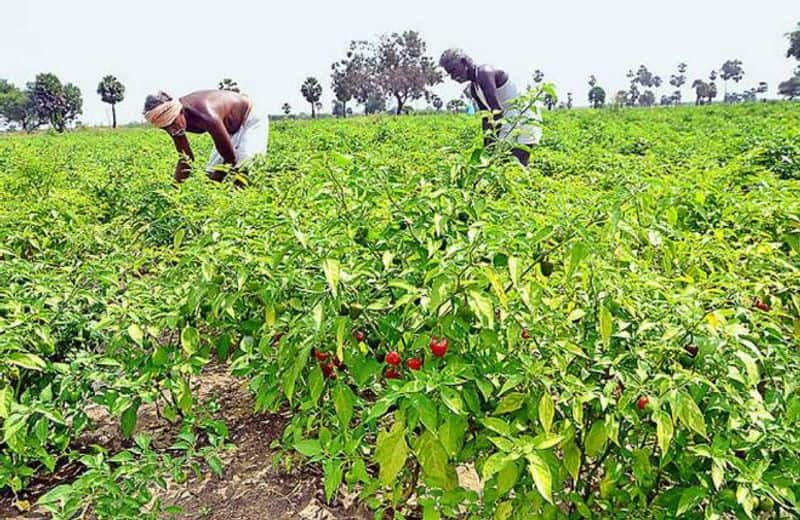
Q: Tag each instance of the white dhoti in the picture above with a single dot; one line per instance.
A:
(518, 126)
(250, 140)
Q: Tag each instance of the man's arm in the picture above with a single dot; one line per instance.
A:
(222, 141)
(183, 169)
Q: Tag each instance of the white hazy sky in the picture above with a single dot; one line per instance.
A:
(270, 47)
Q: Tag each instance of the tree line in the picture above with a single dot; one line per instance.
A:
(791, 87)
(47, 101)
(395, 67)
(644, 85)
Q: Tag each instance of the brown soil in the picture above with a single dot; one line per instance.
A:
(252, 487)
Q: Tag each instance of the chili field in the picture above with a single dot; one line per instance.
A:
(612, 332)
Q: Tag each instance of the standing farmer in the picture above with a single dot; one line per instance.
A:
(239, 131)
(493, 91)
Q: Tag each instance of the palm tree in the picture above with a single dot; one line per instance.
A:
(312, 91)
(677, 81)
(111, 91)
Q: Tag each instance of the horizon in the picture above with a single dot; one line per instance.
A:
(606, 42)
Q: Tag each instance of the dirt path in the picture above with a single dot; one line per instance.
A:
(251, 488)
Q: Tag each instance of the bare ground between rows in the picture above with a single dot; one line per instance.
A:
(250, 488)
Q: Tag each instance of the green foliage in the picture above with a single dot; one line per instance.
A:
(794, 44)
(597, 96)
(790, 88)
(567, 292)
(16, 107)
(73, 103)
(403, 70)
(228, 84)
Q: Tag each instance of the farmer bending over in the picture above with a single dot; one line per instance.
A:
(238, 130)
(493, 91)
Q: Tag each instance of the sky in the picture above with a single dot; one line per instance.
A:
(270, 47)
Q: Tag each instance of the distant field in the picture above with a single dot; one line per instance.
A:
(622, 320)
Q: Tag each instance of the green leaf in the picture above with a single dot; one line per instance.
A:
(184, 396)
(427, 412)
(343, 401)
(25, 360)
(507, 477)
(664, 430)
(332, 470)
(433, 460)
(792, 410)
(504, 510)
(308, 447)
(546, 411)
(482, 307)
(215, 464)
(178, 239)
(6, 399)
(745, 499)
(129, 416)
(690, 498)
(497, 425)
(341, 329)
(717, 472)
(596, 439)
(452, 399)
(605, 324)
(11, 426)
(540, 472)
(545, 441)
(689, 413)
(572, 459)
(136, 334)
(316, 383)
(513, 270)
(332, 274)
(290, 378)
(495, 463)
(494, 280)
(642, 468)
(270, 317)
(391, 451)
(578, 254)
(510, 403)
(317, 315)
(451, 434)
(190, 340)
(57, 495)
(750, 367)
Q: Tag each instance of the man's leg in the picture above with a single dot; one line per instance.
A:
(523, 156)
(217, 175)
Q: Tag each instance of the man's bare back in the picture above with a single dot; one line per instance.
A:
(221, 113)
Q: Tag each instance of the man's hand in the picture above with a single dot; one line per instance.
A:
(182, 170)
(184, 167)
